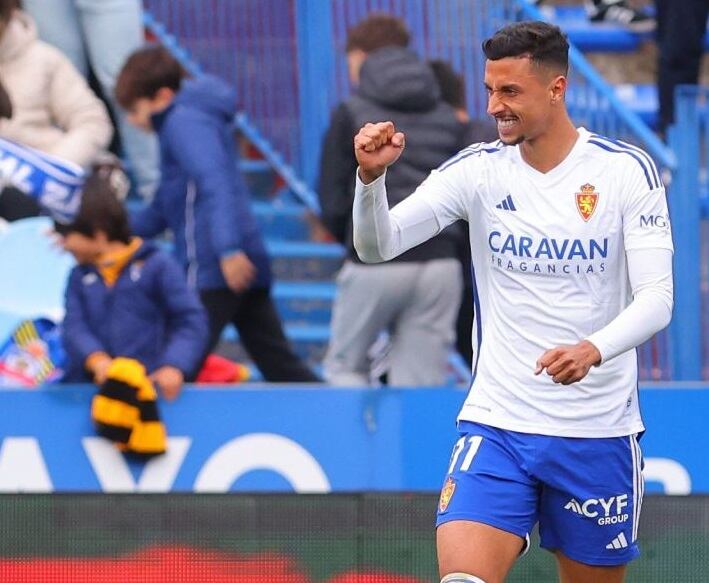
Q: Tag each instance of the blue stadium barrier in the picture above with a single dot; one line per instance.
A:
(306, 439)
(282, 221)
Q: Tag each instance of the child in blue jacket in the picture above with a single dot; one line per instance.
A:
(126, 298)
(203, 201)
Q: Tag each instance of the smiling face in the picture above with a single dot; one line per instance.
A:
(523, 97)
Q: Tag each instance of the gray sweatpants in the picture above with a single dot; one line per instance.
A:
(416, 302)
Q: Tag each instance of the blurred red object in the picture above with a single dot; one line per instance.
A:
(217, 369)
(373, 577)
(178, 563)
(157, 565)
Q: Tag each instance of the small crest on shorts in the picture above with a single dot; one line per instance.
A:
(586, 201)
(446, 494)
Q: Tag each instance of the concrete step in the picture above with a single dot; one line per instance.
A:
(309, 341)
(301, 303)
(304, 261)
(278, 220)
(285, 221)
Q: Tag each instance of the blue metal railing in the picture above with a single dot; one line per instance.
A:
(286, 59)
(689, 137)
(268, 103)
(594, 102)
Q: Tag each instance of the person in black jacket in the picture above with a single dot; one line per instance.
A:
(452, 87)
(681, 27)
(419, 304)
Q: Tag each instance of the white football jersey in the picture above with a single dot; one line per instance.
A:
(549, 269)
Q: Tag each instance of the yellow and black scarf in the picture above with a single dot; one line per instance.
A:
(125, 410)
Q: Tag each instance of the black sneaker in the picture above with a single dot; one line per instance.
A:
(619, 12)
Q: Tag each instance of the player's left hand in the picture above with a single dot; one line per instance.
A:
(169, 379)
(569, 364)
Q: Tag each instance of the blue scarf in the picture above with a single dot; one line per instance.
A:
(55, 183)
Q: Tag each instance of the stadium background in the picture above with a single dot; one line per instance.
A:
(379, 452)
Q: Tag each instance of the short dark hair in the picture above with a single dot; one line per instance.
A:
(145, 72)
(451, 83)
(100, 210)
(376, 32)
(543, 43)
(7, 8)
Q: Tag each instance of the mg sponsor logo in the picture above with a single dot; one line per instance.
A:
(605, 510)
(657, 221)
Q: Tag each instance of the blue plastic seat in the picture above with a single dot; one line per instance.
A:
(34, 271)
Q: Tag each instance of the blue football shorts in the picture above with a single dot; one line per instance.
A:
(586, 493)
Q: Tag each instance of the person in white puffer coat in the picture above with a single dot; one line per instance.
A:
(54, 110)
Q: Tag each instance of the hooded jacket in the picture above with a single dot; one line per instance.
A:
(202, 197)
(53, 108)
(394, 85)
(149, 314)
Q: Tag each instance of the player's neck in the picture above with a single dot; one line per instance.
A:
(547, 151)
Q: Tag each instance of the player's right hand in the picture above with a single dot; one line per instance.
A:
(377, 145)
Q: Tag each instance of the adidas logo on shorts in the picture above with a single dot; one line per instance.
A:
(619, 542)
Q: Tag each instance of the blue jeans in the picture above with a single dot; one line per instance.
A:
(103, 33)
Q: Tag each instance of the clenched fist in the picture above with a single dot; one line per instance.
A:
(377, 145)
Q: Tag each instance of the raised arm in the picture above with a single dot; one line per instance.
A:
(381, 234)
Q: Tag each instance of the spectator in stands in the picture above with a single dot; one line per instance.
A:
(14, 204)
(453, 92)
(203, 201)
(680, 38)
(125, 298)
(103, 34)
(54, 110)
(618, 12)
(418, 306)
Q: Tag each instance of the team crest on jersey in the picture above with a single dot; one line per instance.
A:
(587, 201)
(446, 494)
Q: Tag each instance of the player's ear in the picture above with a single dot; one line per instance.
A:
(557, 89)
